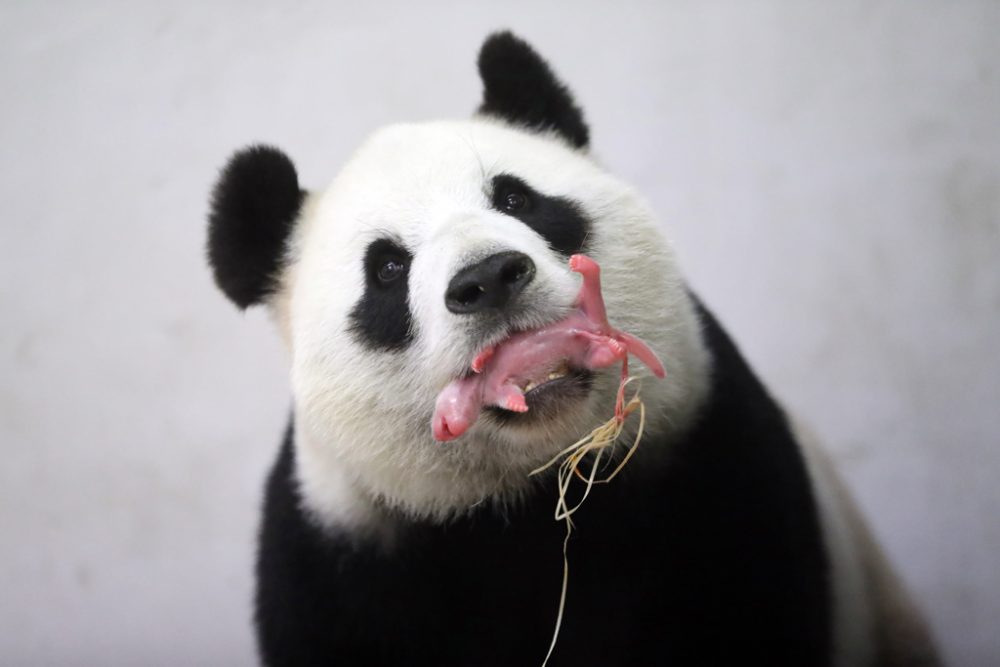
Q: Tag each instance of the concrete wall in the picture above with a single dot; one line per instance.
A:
(830, 173)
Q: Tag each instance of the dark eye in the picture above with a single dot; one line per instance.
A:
(390, 269)
(514, 201)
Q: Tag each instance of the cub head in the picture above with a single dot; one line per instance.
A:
(435, 241)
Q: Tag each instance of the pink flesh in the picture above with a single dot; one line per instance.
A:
(583, 340)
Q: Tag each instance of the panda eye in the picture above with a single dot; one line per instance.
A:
(514, 201)
(390, 269)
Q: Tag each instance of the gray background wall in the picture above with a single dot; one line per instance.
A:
(830, 173)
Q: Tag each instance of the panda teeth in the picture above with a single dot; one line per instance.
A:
(560, 372)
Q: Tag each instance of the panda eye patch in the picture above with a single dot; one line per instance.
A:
(381, 318)
(559, 220)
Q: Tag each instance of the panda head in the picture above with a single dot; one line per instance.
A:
(368, 280)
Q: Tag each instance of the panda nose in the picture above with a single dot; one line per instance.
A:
(490, 284)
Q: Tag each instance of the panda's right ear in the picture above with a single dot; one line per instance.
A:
(254, 207)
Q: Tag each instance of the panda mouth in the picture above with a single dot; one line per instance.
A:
(545, 397)
(532, 370)
(556, 375)
(564, 381)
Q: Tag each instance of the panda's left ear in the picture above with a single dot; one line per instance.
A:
(520, 87)
(254, 207)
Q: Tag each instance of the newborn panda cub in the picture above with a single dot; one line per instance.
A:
(401, 524)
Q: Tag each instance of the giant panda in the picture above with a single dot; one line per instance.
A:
(725, 541)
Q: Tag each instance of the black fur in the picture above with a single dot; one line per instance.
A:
(254, 207)
(381, 319)
(519, 86)
(715, 559)
(559, 220)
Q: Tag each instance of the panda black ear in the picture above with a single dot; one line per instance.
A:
(254, 207)
(519, 87)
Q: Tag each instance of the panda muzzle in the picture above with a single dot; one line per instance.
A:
(504, 372)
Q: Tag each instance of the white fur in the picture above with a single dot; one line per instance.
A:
(853, 613)
(874, 618)
(362, 417)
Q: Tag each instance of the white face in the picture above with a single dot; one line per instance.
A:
(365, 385)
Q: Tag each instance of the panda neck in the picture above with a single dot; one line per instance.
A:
(328, 493)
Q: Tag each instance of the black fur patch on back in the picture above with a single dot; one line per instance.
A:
(381, 319)
(254, 206)
(560, 221)
(519, 87)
